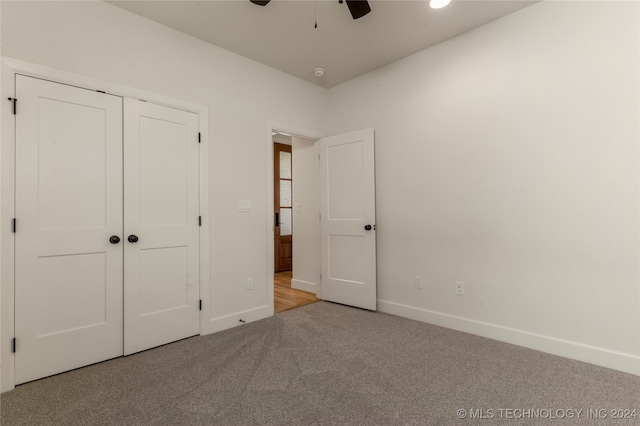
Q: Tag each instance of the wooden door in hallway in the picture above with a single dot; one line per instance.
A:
(283, 215)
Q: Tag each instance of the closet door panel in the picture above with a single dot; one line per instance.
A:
(161, 212)
(69, 300)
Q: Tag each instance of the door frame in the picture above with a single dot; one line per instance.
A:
(273, 126)
(9, 67)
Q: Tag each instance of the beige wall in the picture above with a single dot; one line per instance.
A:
(507, 159)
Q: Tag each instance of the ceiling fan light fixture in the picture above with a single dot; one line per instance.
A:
(358, 8)
(319, 72)
(438, 4)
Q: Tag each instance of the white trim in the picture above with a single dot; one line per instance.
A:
(205, 229)
(73, 79)
(233, 320)
(304, 286)
(9, 68)
(294, 131)
(625, 362)
(285, 140)
(7, 210)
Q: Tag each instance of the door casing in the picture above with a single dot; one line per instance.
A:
(9, 67)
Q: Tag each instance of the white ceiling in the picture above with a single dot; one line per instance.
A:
(282, 34)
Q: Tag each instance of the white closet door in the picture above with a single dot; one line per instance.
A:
(68, 278)
(161, 225)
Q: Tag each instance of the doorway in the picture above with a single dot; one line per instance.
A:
(338, 262)
(294, 201)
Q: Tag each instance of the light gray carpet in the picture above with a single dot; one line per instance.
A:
(324, 364)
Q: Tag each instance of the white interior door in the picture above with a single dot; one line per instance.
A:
(347, 225)
(68, 276)
(162, 213)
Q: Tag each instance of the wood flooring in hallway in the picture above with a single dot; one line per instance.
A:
(285, 297)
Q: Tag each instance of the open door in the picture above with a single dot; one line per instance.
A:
(347, 221)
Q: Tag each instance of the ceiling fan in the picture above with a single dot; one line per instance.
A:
(358, 8)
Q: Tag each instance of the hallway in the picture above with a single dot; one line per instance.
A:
(285, 297)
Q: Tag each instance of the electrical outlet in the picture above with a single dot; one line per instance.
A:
(249, 283)
(459, 288)
(419, 282)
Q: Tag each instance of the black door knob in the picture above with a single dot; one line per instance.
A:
(114, 239)
(367, 228)
(132, 238)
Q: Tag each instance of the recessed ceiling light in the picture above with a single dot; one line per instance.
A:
(318, 72)
(439, 4)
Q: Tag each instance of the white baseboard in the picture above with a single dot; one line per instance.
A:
(625, 362)
(304, 286)
(232, 320)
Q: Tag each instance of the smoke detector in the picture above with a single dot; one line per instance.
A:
(318, 72)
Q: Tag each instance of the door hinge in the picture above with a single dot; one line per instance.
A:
(200, 304)
(199, 137)
(14, 100)
(13, 225)
(199, 220)
(101, 91)
(13, 345)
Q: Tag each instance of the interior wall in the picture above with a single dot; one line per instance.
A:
(99, 40)
(507, 159)
(306, 213)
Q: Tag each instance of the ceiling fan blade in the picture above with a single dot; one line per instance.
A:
(260, 2)
(358, 8)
